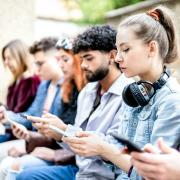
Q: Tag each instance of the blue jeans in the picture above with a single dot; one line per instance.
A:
(49, 173)
(26, 161)
(5, 137)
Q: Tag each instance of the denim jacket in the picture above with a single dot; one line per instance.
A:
(101, 121)
(159, 118)
(36, 108)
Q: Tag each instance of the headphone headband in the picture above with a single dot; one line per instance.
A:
(163, 79)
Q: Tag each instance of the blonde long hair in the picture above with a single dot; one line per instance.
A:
(20, 53)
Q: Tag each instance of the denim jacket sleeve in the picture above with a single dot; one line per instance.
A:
(167, 124)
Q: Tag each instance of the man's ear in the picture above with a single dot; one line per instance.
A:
(153, 48)
(112, 56)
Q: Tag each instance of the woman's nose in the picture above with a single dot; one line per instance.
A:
(118, 57)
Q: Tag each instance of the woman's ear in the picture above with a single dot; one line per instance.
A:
(153, 48)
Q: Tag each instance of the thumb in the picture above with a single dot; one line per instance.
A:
(83, 134)
(150, 148)
(48, 115)
(165, 148)
(14, 125)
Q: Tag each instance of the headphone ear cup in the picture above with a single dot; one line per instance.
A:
(138, 96)
(128, 97)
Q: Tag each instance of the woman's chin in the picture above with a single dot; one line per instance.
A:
(128, 75)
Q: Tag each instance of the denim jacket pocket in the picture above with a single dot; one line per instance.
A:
(143, 128)
(123, 126)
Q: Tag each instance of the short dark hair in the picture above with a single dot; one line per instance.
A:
(44, 45)
(102, 38)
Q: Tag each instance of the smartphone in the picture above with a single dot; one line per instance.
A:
(8, 119)
(24, 116)
(33, 119)
(57, 130)
(129, 144)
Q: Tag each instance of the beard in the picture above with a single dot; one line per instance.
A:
(99, 74)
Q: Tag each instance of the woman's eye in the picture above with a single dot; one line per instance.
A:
(65, 59)
(126, 50)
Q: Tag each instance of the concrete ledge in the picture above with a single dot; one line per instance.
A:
(135, 7)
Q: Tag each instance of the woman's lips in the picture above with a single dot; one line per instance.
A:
(122, 68)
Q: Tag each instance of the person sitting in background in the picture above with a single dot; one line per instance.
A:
(22, 91)
(48, 93)
(49, 153)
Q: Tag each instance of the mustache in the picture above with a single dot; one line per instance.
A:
(86, 70)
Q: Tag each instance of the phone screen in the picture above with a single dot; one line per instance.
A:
(129, 144)
(33, 119)
(24, 116)
(7, 118)
(57, 130)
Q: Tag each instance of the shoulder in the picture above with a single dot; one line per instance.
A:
(44, 84)
(32, 79)
(88, 90)
(172, 85)
(119, 84)
(90, 87)
(29, 83)
(169, 94)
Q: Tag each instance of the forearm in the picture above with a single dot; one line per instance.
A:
(36, 140)
(111, 153)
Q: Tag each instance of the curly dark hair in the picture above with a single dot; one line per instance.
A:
(102, 38)
(44, 45)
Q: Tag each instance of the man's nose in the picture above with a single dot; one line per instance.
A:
(84, 65)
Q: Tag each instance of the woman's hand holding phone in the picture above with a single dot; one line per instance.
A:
(42, 124)
(47, 119)
(129, 145)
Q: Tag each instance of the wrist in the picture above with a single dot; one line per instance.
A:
(62, 126)
(103, 149)
(27, 138)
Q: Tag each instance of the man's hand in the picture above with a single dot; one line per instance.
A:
(85, 144)
(42, 124)
(44, 153)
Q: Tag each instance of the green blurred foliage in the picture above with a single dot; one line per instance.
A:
(94, 10)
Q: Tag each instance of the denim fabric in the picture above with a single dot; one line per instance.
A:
(36, 109)
(27, 161)
(5, 137)
(159, 118)
(49, 173)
